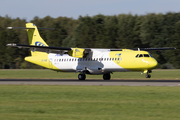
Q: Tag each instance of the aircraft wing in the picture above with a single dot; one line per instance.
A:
(151, 49)
(78, 52)
(145, 49)
(74, 52)
(56, 49)
(47, 49)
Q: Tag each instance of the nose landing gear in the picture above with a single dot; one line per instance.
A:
(148, 75)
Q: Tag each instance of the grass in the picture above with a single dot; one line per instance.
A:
(44, 102)
(49, 74)
(54, 102)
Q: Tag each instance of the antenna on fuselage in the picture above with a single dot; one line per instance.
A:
(138, 49)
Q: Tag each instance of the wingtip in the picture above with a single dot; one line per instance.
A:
(11, 44)
(9, 27)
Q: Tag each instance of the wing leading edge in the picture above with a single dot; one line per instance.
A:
(77, 52)
(40, 48)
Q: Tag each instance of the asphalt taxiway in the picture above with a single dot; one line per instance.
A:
(97, 82)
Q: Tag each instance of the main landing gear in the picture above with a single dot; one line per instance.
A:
(82, 76)
(105, 76)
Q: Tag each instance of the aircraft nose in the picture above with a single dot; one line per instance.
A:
(153, 63)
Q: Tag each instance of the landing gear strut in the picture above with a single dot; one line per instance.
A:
(107, 76)
(148, 75)
(81, 76)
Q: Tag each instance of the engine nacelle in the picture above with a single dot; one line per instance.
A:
(76, 52)
(79, 52)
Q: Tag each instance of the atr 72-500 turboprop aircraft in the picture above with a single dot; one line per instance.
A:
(86, 60)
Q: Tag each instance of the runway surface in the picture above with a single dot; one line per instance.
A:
(97, 82)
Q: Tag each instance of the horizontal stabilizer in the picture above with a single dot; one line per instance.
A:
(30, 28)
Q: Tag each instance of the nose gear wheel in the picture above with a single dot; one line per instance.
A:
(148, 75)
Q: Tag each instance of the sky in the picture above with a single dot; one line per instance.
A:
(28, 9)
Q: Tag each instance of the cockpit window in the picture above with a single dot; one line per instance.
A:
(150, 55)
(146, 55)
(137, 55)
(143, 55)
(140, 55)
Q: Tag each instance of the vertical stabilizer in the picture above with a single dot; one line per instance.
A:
(34, 37)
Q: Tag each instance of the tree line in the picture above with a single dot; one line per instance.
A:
(99, 31)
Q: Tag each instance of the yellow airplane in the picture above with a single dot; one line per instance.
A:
(86, 60)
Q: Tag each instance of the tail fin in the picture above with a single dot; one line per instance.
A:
(34, 37)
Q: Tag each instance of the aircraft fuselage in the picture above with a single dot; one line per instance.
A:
(101, 63)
